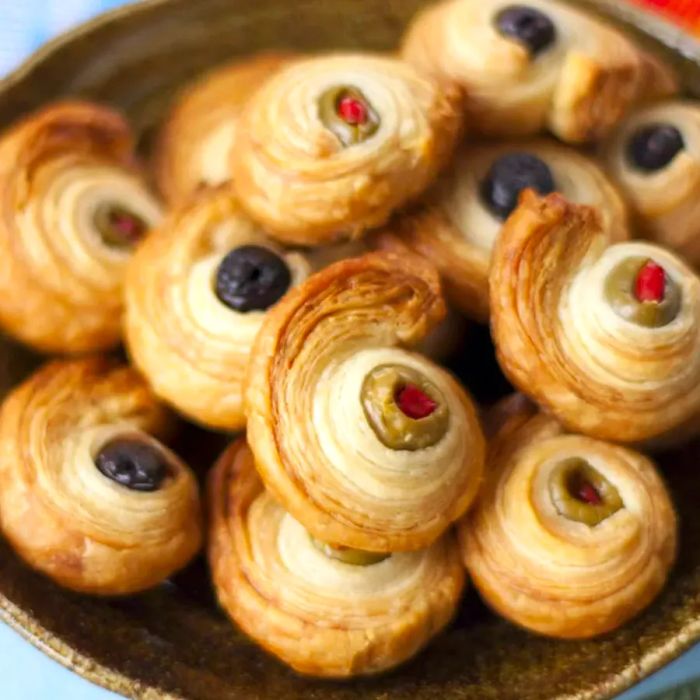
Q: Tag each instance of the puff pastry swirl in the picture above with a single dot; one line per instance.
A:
(606, 338)
(73, 206)
(572, 536)
(195, 144)
(331, 145)
(88, 495)
(655, 158)
(535, 65)
(367, 444)
(457, 227)
(321, 615)
(197, 292)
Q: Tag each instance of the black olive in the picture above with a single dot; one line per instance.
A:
(132, 463)
(252, 278)
(654, 146)
(509, 176)
(527, 25)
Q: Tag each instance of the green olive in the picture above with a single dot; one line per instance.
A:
(581, 493)
(118, 226)
(380, 394)
(620, 294)
(347, 132)
(354, 557)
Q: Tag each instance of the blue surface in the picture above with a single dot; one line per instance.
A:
(25, 673)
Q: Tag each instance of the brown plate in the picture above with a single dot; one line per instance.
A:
(173, 642)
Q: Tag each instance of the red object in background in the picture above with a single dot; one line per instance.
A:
(684, 12)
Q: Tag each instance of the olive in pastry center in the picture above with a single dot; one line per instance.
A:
(653, 147)
(530, 27)
(348, 555)
(640, 290)
(509, 176)
(348, 114)
(133, 463)
(405, 410)
(581, 493)
(118, 226)
(252, 278)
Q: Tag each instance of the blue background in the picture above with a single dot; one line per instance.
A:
(25, 673)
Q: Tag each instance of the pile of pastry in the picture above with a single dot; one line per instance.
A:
(524, 165)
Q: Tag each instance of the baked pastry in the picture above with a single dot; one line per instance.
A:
(365, 443)
(655, 157)
(606, 338)
(323, 610)
(571, 537)
(331, 145)
(534, 66)
(73, 206)
(88, 495)
(196, 294)
(195, 143)
(460, 221)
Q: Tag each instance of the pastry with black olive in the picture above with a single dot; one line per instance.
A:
(366, 443)
(536, 65)
(324, 610)
(196, 295)
(73, 207)
(88, 495)
(330, 146)
(200, 132)
(655, 158)
(571, 537)
(606, 338)
(458, 225)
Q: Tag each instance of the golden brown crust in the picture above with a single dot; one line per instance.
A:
(578, 88)
(56, 167)
(63, 516)
(191, 347)
(560, 341)
(666, 201)
(314, 446)
(320, 616)
(295, 176)
(456, 231)
(200, 131)
(549, 573)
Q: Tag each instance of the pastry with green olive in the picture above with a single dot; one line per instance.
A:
(73, 207)
(324, 610)
(536, 65)
(368, 444)
(458, 224)
(89, 496)
(572, 537)
(605, 337)
(331, 145)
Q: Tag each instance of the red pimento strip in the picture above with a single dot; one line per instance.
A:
(650, 284)
(415, 403)
(352, 110)
(588, 494)
(128, 226)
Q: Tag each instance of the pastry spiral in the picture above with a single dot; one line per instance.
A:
(330, 146)
(200, 131)
(536, 65)
(572, 536)
(461, 219)
(367, 444)
(72, 208)
(320, 614)
(606, 338)
(655, 158)
(87, 495)
(189, 336)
